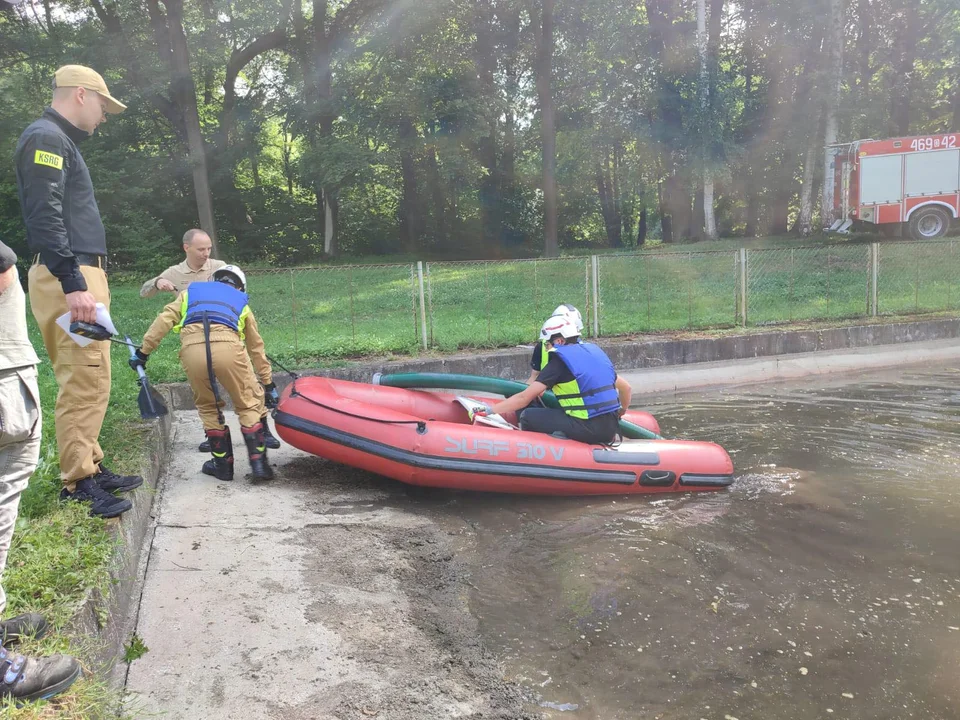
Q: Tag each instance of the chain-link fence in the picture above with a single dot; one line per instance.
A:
(918, 277)
(792, 284)
(490, 304)
(666, 291)
(354, 310)
(337, 311)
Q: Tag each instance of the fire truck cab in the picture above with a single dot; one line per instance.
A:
(910, 183)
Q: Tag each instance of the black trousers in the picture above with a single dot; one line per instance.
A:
(598, 430)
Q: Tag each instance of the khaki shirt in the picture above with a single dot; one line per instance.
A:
(193, 335)
(181, 275)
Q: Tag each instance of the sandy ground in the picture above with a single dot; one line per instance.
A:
(322, 594)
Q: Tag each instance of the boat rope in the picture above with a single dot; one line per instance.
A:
(421, 424)
(294, 392)
(288, 371)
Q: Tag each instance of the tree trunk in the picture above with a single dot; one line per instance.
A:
(642, 228)
(255, 164)
(186, 93)
(807, 191)
(865, 45)
(331, 208)
(706, 129)
(548, 132)
(779, 211)
(411, 208)
(287, 154)
(678, 207)
(751, 198)
(956, 105)
(907, 34)
(511, 42)
(834, 77)
(485, 59)
(608, 203)
(437, 195)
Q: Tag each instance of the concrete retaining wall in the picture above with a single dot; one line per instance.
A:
(514, 363)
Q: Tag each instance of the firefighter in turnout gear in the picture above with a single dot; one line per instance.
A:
(217, 332)
(592, 396)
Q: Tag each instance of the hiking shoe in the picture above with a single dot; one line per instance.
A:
(204, 446)
(26, 678)
(102, 503)
(17, 628)
(109, 481)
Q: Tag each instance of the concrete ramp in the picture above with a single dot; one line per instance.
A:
(326, 593)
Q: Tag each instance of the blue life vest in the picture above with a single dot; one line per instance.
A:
(224, 305)
(593, 391)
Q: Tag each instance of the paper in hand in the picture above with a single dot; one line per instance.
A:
(103, 318)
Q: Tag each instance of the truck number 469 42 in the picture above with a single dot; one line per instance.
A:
(934, 143)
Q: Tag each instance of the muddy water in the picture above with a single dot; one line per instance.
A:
(824, 584)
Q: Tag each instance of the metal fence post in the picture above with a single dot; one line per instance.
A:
(430, 303)
(874, 275)
(743, 286)
(293, 313)
(423, 307)
(595, 267)
(353, 315)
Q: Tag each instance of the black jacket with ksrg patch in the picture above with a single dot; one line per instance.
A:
(56, 197)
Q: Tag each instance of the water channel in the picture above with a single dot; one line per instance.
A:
(824, 584)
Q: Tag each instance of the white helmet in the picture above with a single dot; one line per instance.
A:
(571, 312)
(558, 325)
(231, 273)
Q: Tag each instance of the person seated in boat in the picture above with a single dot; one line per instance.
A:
(217, 332)
(592, 396)
(538, 361)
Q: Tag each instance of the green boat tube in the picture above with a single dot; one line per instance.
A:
(497, 386)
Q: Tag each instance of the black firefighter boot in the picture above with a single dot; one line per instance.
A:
(221, 466)
(271, 442)
(257, 452)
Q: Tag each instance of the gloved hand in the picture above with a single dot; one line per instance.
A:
(271, 398)
(482, 411)
(140, 361)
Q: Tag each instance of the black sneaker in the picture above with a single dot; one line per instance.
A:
(17, 628)
(102, 503)
(205, 446)
(27, 678)
(109, 481)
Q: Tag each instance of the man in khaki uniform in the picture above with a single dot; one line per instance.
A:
(196, 267)
(217, 332)
(65, 231)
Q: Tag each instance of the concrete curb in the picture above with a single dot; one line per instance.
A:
(635, 354)
(110, 620)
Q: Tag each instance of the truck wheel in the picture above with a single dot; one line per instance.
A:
(929, 223)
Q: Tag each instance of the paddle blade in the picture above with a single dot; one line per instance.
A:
(150, 403)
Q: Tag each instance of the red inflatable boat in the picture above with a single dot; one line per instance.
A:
(426, 438)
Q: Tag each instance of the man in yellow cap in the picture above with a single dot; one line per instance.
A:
(65, 232)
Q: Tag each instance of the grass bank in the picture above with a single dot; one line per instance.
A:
(59, 553)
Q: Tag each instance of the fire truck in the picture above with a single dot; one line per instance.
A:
(906, 183)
